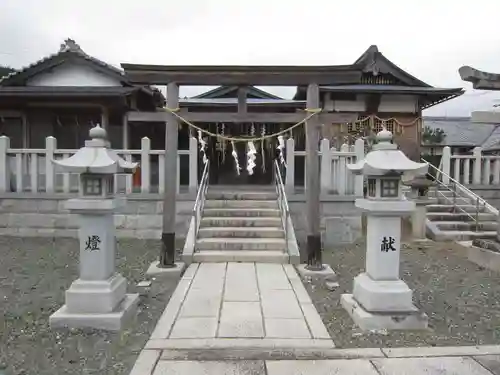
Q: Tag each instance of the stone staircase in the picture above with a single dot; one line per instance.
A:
(243, 226)
(457, 222)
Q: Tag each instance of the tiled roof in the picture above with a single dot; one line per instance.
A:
(461, 131)
(16, 91)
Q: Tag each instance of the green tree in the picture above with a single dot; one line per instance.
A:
(4, 70)
(433, 136)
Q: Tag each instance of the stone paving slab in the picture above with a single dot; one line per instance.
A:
(231, 354)
(241, 319)
(490, 362)
(250, 343)
(429, 366)
(327, 367)
(209, 368)
(444, 351)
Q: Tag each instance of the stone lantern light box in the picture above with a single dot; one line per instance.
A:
(97, 299)
(96, 163)
(380, 299)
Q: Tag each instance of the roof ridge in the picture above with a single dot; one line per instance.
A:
(69, 46)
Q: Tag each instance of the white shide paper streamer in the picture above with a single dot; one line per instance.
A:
(281, 146)
(251, 157)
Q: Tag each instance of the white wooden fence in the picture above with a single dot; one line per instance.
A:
(31, 170)
(335, 178)
(474, 169)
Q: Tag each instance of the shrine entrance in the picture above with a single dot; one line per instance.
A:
(230, 168)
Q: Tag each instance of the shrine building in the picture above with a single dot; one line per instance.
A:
(63, 95)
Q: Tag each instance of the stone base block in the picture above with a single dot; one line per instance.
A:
(342, 230)
(96, 296)
(168, 273)
(383, 296)
(369, 321)
(326, 273)
(113, 321)
(486, 258)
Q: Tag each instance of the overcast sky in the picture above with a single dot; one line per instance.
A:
(430, 39)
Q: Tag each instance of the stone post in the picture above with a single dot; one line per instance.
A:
(4, 164)
(97, 299)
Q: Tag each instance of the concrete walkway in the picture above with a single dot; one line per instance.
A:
(244, 305)
(258, 319)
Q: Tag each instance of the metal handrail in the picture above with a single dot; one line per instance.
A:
(199, 203)
(470, 195)
(469, 192)
(282, 201)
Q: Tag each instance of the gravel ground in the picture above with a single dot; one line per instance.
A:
(34, 273)
(461, 299)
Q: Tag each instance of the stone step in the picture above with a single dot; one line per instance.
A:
(466, 226)
(242, 195)
(452, 235)
(460, 216)
(273, 222)
(448, 201)
(451, 208)
(241, 256)
(441, 192)
(214, 203)
(241, 244)
(241, 212)
(241, 232)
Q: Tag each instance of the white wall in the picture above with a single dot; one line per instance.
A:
(388, 103)
(73, 75)
(398, 103)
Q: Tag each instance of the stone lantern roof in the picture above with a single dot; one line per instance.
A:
(96, 157)
(385, 158)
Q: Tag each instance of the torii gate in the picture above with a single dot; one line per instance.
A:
(482, 81)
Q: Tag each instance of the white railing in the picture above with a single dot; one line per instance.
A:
(459, 190)
(474, 169)
(335, 178)
(282, 201)
(199, 203)
(31, 170)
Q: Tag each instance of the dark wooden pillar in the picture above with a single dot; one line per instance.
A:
(314, 256)
(242, 100)
(167, 255)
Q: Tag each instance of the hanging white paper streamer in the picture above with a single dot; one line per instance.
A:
(203, 145)
(281, 146)
(223, 143)
(251, 158)
(235, 156)
(262, 148)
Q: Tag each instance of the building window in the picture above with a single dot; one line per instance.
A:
(389, 188)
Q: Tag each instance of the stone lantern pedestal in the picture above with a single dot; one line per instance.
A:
(380, 299)
(98, 298)
(419, 194)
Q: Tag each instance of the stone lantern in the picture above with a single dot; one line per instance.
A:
(419, 186)
(97, 299)
(380, 299)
